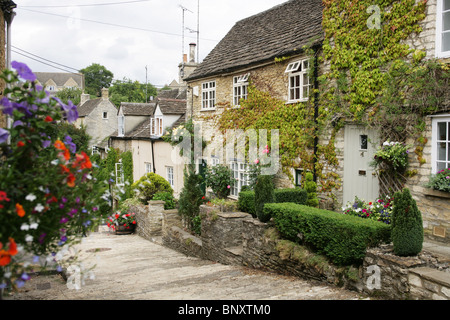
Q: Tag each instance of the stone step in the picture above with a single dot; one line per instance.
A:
(430, 283)
(237, 251)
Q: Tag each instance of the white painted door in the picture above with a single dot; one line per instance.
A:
(360, 179)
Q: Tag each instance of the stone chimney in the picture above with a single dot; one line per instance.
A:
(105, 94)
(84, 98)
(192, 52)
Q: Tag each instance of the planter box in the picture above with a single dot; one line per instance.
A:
(436, 193)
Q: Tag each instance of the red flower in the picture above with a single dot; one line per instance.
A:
(20, 211)
(48, 119)
(59, 145)
(71, 180)
(5, 256)
(20, 144)
(83, 161)
(3, 196)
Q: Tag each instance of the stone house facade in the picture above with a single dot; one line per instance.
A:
(57, 81)
(263, 50)
(99, 117)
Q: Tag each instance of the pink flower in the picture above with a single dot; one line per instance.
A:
(256, 161)
(229, 187)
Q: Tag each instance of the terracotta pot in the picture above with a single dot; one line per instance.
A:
(123, 230)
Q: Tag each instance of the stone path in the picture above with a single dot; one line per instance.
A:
(132, 268)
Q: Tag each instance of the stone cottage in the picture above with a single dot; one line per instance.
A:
(99, 116)
(56, 81)
(275, 51)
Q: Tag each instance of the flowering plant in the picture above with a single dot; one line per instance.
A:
(393, 154)
(440, 181)
(48, 197)
(379, 210)
(122, 219)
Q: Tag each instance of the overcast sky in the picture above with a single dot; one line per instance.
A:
(125, 36)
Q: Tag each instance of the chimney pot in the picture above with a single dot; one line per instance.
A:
(192, 52)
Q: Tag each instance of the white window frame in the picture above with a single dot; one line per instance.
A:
(95, 150)
(240, 88)
(148, 167)
(170, 176)
(157, 126)
(120, 177)
(439, 29)
(121, 125)
(436, 141)
(241, 177)
(209, 95)
(297, 72)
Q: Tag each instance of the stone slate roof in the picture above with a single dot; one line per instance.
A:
(138, 109)
(60, 78)
(280, 31)
(172, 106)
(86, 108)
(180, 94)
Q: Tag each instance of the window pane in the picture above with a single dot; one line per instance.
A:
(446, 21)
(446, 5)
(445, 41)
(442, 131)
(441, 166)
(442, 151)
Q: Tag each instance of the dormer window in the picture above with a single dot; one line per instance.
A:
(156, 126)
(298, 80)
(240, 88)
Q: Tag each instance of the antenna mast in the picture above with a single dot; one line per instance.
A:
(184, 10)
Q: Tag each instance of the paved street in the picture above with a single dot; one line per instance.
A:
(132, 268)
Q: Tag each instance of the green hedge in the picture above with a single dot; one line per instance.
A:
(343, 239)
(246, 201)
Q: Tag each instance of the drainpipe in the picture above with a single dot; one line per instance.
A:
(8, 15)
(316, 111)
(153, 156)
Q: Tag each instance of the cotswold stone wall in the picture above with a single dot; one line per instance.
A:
(235, 238)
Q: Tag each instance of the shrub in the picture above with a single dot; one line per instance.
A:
(246, 201)
(149, 185)
(191, 197)
(264, 193)
(168, 198)
(311, 189)
(220, 179)
(407, 225)
(343, 239)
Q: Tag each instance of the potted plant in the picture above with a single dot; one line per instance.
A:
(122, 222)
(391, 157)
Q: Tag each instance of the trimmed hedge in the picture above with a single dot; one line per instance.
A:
(343, 239)
(246, 201)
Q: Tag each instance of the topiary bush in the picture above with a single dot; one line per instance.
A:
(343, 239)
(149, 185)
(191, 198)
(311, 189)
(264, 193)
(407, 225)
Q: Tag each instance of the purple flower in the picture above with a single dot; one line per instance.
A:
(69, 109)
(17, 123)
(7, 106)
(4, 135)
(70, 144)
(46, 143)
(24, 71)
(63, 220)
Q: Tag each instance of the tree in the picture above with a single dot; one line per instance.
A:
(220, 179)
(407, 225)
(127, 90)
(72, 94)
(96, 77)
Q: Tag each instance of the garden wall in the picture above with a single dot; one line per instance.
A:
(235, 238)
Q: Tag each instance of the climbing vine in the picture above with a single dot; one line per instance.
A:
(368, 75)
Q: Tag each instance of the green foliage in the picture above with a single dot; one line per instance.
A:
(72, 94)
(127, 90)
(264, 193)
(343, 239)
(168, 198)
(311, 189)
(79, 136)
(246, 201)
(190, 197)
(96, 77)
(149, 185)
(407, 225)
(394, 155)
(440, 181)
(220, 179)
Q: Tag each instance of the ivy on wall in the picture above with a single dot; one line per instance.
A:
(371, 77)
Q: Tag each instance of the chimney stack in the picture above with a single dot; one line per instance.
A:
(192, 52)
(84, 98)
(105, 93)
